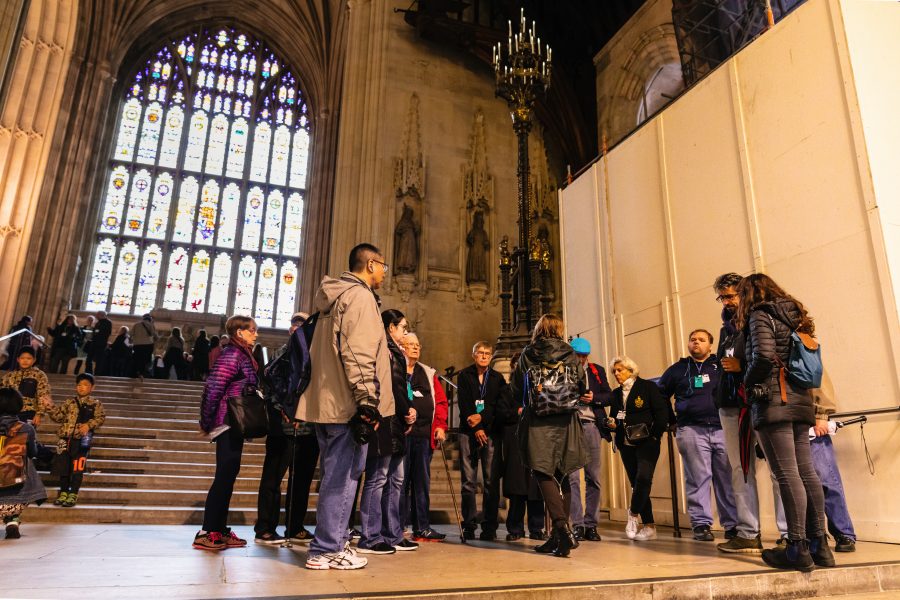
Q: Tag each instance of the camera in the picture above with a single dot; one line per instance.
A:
(758, 393)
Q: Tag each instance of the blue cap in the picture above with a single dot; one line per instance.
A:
(581, 346)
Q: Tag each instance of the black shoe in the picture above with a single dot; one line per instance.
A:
(354, 533)
(820, 552)
(379, 548)
(468, 534)
(268, 539)
(591, 535)
(406, 546)
(844, 544)
(537, 535)
(513, 537)
(732, 533)
(487, 536)
(549, 546)
(565, 541)
(579, 532)
(428, 535)
(703, 534)
(12, 530)
(795, 555)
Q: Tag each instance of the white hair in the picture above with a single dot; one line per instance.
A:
(411, 336)
(625, 362)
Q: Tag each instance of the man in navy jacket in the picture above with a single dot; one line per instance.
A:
(693, 381)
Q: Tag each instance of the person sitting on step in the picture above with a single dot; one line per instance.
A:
(79, 417)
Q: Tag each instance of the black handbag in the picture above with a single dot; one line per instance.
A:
(636, 433)
(247, 413)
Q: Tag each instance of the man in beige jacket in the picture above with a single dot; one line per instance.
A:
(350, 379)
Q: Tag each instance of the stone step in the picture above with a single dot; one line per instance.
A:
(159, 515)
(141, 455)
(198, 444)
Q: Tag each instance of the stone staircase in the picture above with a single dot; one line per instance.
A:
(150, 465)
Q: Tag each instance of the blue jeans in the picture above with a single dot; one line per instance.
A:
(825, 464)
(341, 462)
(379, 508)
(415, 503)
(705, 460)
(588, 515)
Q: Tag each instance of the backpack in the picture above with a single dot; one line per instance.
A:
(553, 388)
(288, 376)
(804, 365)
(13, 453)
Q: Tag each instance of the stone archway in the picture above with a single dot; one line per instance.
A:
(652, 51)
(27, 126)
(312, 37)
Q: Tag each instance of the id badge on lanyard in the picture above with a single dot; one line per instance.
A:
(482, 391)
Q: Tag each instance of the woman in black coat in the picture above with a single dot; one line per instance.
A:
(66, 338)
(379, 506)
(640, 416)
(782, 415)
(200, 354)
(553, 445)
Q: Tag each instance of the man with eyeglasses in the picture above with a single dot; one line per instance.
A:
(479, 390)
(348, 395)
(732, 358)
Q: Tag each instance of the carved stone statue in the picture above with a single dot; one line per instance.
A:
(479, 245)
(406, 243)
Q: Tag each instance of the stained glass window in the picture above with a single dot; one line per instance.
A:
(205, 190)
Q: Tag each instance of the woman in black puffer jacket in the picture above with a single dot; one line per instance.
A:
(782, 415)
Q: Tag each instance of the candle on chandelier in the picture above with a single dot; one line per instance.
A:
(510, 27)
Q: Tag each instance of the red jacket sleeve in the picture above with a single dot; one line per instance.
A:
(440, 409)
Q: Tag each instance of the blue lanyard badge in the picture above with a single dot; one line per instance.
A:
(409, 390)
(482, 390)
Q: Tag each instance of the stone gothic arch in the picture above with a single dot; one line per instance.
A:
(110, 36)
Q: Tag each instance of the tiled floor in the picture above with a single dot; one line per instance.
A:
(128, 561)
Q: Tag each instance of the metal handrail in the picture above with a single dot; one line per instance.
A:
(20, 331)
(868, 412)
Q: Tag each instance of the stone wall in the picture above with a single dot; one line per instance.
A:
(638, 63)
(421, 126)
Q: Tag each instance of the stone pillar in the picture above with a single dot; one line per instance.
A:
(27, 127)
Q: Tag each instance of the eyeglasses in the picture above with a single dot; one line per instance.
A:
(384, 265)
(482, 353)
(724, 297)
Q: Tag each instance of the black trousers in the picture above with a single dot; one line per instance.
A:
(141, 359)
(73, 461)
(640, 462)
(229, 446)
(515, 517)
(279, 449)
(557, 495)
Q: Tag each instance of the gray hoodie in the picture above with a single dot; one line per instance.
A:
(349, 354)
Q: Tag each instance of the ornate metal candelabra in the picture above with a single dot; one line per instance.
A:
(522, 70)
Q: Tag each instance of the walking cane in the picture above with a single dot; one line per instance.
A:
(462, 537)
(675, 524)
(290, 495)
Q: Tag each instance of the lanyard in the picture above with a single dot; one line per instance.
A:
(409, 390)
(482, 387)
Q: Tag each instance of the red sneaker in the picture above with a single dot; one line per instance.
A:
(232, 540)
(212, 540)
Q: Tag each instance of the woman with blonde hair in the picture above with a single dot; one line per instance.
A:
(640, 416)
(548, 380)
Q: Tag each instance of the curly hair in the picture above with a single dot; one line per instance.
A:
(759, 288)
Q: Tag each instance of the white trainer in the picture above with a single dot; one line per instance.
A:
(344, 560)
(647, 532)
(631, 527)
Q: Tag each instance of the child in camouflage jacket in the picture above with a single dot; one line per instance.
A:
(31, 382)
(79, 418)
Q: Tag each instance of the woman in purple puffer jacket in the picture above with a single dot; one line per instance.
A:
(234, 369)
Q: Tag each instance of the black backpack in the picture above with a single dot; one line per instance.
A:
(288, 376)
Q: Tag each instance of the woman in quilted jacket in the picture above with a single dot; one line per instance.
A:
(552, 445)
(782, 415)
(234, 370)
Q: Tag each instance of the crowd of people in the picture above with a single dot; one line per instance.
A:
(372, 415)
(92, 348)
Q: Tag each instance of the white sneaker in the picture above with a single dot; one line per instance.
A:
(647, 532)
(631, 527)
(345, 560)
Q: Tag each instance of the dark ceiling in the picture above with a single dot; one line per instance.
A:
(575, 29)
